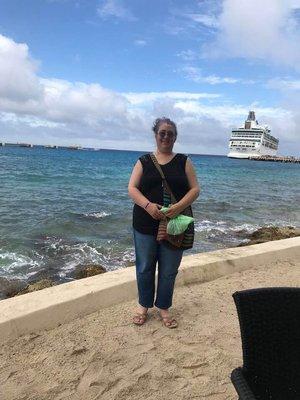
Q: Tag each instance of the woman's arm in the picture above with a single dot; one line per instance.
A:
(190, 196)
(138, 197)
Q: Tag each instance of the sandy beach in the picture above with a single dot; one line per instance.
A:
(104, 356)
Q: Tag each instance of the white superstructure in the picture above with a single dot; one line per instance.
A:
(252, 139)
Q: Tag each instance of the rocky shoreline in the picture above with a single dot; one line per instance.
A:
(269, 233)
(16, 287)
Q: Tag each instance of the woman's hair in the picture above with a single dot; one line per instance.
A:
(163, 120)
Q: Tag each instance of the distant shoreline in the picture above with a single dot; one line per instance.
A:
(75, 147)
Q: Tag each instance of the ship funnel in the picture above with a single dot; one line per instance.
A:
(251, 116)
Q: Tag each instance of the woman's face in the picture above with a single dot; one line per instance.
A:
(165, 137)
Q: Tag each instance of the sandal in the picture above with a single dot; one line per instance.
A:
(169, 322)
(140, 318)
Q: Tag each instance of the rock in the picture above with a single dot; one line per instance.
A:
(130, 264)
(32, 287)
(269, 233)
(10, 287)
(84, 271)
(15, 287)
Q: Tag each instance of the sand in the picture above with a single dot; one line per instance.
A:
(104, 356)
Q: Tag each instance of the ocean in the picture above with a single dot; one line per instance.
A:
(60, 209)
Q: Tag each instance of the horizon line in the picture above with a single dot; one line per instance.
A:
(78, 147)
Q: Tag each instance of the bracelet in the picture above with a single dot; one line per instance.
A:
(147, 205)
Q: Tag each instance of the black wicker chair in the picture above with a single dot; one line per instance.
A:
(270, 332)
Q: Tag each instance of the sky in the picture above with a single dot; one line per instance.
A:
(97, 73)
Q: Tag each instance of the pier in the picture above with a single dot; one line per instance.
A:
(284, 159)
(30, 145)
(47, 146)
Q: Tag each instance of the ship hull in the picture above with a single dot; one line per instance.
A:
(247, 154)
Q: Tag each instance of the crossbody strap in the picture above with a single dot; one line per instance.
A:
(165, 183)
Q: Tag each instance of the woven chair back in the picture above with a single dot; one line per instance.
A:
(270, 332)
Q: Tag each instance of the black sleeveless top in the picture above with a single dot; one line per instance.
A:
(151, 187)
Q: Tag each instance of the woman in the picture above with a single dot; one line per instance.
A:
(145, 189)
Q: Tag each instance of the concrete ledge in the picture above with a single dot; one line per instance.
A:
(57, 305)
(206, 267)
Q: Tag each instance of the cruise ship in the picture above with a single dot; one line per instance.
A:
(252, 139)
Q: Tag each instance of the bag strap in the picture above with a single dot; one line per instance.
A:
(165, 183)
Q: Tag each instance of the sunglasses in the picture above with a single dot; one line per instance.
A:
(164, 134)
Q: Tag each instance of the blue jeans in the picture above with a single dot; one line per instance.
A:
(148, 252)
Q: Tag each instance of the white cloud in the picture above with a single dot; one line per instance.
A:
(193, 18)
(142, 98)
(80, 102)
(230, 114)
(140, 42)
(267, 31)
(187, 55)
(62, 112)
(210, 21)
(195, 75)
(28, 120)
(23, 92)
(18, 80)
(116, 9)
(284, 84)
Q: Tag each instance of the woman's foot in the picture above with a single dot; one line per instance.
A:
(140, 316)
(167, 320)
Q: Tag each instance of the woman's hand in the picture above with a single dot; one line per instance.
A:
(153, 210)
(173, 211)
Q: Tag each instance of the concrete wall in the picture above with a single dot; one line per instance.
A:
(53, 306)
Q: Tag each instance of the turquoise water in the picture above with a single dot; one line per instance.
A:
(63, 208)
